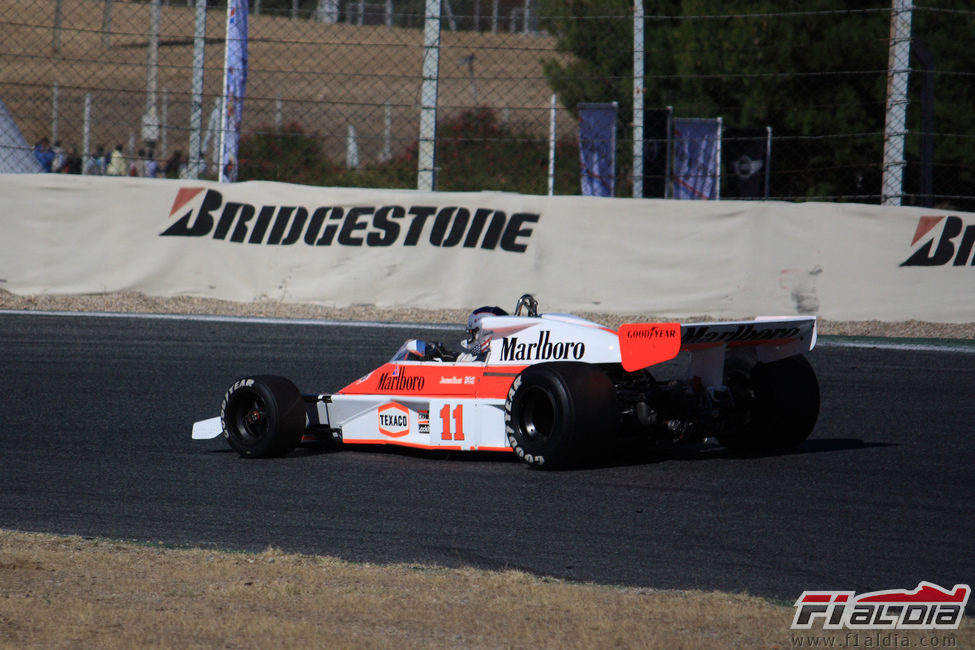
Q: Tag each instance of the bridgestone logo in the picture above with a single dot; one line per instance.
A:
(950, 247)
(364, 226)
(543, 349)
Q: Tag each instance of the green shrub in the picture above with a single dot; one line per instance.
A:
(475, 152)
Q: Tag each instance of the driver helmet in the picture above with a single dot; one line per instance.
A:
(476, 341)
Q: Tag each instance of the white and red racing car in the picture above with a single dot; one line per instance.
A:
(555, 389)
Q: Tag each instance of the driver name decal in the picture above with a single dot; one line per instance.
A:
(204, 213)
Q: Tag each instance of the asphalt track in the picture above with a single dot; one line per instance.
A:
(95, 417)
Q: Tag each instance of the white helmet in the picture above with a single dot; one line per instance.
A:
(477, 340)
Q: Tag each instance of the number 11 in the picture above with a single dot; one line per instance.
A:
(458, 421)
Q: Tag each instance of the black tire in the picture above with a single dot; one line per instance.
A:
(777, 403)
(558, 414)
(263, 416)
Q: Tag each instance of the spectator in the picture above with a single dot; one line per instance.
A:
(72, 162)
(59, 158)
(116, 162)
(152, 166)
(96, 162)
(175, 166)
(138, 166)
(44, 154)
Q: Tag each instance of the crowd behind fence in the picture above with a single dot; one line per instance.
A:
(333, 93)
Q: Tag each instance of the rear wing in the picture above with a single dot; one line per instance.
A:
(646, 344)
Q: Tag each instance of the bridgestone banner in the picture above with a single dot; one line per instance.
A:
(66, 234)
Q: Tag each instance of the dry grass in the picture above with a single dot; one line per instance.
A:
(329, 76)
(58, 592)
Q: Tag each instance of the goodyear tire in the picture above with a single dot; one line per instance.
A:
(778, 403)
(557, 414)
(263, 416)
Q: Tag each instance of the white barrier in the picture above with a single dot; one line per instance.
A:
(343, 246)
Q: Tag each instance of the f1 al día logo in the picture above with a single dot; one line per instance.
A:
(929, 607)
(951, 243)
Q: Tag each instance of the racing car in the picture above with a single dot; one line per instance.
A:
(555, 389)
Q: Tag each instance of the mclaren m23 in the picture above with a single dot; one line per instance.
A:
(555, 389)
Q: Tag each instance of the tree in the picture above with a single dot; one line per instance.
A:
(599, 33)
(814, 70)
(945, 36)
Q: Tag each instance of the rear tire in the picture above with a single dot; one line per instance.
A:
(557, 414)
(263, 416)
(778, 403)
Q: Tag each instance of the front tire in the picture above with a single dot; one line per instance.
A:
(263, 416)
(558, 413)
(777, 403)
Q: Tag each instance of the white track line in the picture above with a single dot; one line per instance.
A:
(206, 318)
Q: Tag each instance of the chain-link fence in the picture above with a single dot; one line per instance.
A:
(333, 94)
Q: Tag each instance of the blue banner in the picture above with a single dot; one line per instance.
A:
(235, 79)
(697, 157)
(597, 148)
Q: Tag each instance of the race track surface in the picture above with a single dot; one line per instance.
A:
(95, 418)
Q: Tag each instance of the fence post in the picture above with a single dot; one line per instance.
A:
(107, 25)
(150, 121)
(351, 150)
(58, 19)
(426, 158)
(895, 124)
(163, 145)
(638, 85)
(195, 154)
(86, 135)
(387, 152)
(54, 113)
(551, 146)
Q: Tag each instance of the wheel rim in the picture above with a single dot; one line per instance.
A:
(743, 394)
(536, 417)
(250, 418)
